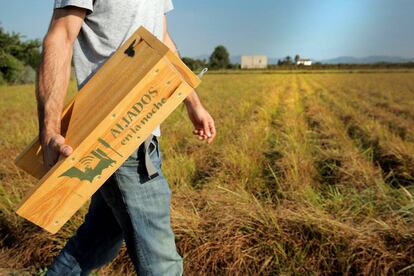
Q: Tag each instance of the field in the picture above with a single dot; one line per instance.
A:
(309, 174)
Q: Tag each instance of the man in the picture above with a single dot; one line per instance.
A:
(132, 205)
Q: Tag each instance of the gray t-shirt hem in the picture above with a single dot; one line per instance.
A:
(85, 4)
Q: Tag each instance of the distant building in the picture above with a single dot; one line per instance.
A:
(305, 62)
(254, 62)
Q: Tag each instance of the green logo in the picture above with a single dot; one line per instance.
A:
(88, 173)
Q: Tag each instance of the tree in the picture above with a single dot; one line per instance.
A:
(297, 58)
(29, 53)
(288, 60)
(220, 58)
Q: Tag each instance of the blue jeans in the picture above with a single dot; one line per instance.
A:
(130, 206)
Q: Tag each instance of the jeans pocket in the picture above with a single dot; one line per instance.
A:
(154, 152)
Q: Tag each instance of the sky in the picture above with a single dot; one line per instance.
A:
(317, 29)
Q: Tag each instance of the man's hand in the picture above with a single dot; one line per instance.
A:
(203, 123)
(53, 146)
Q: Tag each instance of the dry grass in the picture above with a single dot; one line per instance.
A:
(310, 174)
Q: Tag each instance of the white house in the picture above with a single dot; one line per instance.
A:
(254, 62)
(305, 62)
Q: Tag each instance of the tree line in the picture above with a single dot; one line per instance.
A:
(288, 60)
(20, 58)
(218, 60)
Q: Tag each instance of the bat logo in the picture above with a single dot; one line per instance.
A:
(90, 173)
(130, 51)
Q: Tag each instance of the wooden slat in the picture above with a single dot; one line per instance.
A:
(179, 65)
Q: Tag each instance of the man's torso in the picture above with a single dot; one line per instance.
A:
(107, 25)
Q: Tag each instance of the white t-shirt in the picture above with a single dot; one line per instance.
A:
(107, 25)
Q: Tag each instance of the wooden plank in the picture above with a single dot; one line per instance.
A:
(138, 96)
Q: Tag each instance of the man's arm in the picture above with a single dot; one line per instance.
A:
(53, 80)
(204, 126)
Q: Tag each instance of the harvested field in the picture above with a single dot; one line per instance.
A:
(309, 174)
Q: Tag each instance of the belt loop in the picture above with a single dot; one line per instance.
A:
(149, 165)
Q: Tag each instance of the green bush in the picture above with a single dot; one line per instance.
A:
(11, 68)
(28, 75)
(2, 81)
(195, 64)
(18, 58)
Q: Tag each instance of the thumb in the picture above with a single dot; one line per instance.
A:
(65, 150)
(206, 128)
(61, 147)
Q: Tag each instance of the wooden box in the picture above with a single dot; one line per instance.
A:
(117, 109)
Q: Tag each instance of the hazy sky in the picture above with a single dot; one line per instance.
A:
(318, 29)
